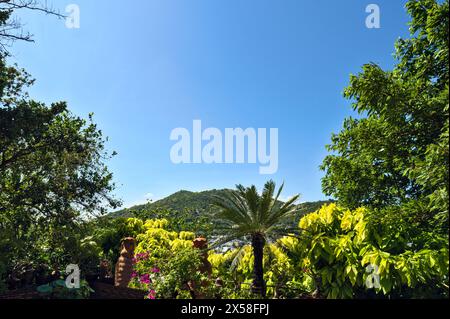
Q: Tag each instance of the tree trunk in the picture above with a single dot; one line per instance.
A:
(258, 286)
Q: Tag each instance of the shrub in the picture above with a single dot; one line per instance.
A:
(166, 264)
(338, 244)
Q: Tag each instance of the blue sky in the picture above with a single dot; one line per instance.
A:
(146, 67)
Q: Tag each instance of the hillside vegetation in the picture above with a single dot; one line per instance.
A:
(197, 204)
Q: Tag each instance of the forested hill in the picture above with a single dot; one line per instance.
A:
(197, 203)
(200, 202)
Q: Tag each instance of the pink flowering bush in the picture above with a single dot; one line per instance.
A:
(165, 262)
(144, 274)
(178, 270)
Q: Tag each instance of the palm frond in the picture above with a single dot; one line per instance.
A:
(245, 212)
(286, 210)
(232, 209)
(266, 203)
(252, 199)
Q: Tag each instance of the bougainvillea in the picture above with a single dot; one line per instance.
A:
(165, 261)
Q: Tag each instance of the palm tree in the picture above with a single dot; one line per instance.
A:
(247, 214)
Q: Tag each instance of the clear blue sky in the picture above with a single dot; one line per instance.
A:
(146, 67)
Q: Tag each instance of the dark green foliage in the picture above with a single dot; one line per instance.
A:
(195, 202)
(398, 150)
(108, 233)
(52, 175)
(51, 171)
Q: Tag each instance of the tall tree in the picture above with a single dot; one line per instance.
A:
(52, 170)
(247, 214)
(397, 150)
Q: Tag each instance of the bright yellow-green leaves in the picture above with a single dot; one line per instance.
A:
(338, 244)
(156, 237)
(186, 235)
(134, 226)
(156, 223)
(321, 219)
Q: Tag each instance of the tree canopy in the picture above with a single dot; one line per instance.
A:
(52, 164)
(397, 149)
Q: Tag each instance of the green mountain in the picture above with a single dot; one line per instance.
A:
(198, 204)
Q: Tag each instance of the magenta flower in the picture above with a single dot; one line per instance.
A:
(151, 294)
(134, 274)
(155, 270)
(145, 279)
(140, 257)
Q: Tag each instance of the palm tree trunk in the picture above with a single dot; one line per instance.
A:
(258, 286)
